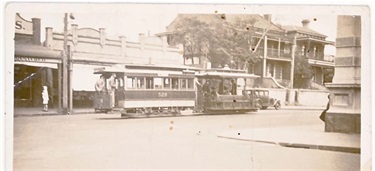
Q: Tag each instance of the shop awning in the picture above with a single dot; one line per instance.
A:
(37, 64)
(29, 50)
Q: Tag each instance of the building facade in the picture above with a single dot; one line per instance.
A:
(275, 47)
(88, 49)
(310, 46)
(34, 65)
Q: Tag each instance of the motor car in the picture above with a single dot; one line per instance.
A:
(263, 100)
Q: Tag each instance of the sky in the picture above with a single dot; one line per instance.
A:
(131, 19)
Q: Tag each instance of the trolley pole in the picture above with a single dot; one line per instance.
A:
(65, 68)
(294, 46)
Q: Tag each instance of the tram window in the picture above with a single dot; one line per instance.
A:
(166, 83)
(183, 84)
(190, 83)
(130, 83)
(140, 82)
(175, 84)
(149, 83)
(158, 83)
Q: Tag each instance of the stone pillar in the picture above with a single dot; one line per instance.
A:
(49, 37)
(74, 33)
(345, 99)
(102, 36)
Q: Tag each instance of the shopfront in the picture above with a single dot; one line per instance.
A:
(35, 66)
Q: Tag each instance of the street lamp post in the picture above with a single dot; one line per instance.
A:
(65, 68)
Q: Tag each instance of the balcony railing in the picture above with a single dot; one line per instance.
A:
(273, 53)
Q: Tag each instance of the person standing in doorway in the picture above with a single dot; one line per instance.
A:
(45, 98)
(100, 84)
(112, 88)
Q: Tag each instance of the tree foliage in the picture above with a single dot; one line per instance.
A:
(220, 41)
(302, 71)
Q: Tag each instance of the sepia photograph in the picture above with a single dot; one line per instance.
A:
(148, 86)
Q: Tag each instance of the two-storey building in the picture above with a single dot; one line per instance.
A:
(311, 46)
(275, 46)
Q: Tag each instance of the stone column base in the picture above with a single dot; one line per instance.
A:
(343, 122)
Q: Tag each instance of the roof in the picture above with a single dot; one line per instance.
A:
(260, 22)
(158, 68)
(227, 75)
(303, 30)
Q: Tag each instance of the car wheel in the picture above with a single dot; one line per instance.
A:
(277, 106)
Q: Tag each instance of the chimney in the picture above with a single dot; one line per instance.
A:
(36, 30)
(267, 17)
(49, 37)
(74, 28)
(305, 23)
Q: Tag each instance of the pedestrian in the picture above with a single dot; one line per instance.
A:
(234, 87)
(45, 98)
(200, 96)
(112, 88)
(206, 87)
(323, 115)
(100, 84)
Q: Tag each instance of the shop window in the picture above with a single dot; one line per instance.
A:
(158, 82)
(190, 83)
(23, 90)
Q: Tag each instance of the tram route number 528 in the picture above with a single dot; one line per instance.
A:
(163, 94)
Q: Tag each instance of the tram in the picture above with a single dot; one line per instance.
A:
(167, 90)
(223, 91)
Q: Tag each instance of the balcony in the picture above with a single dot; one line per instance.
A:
(274, 54)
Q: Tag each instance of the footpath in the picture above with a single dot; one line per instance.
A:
(307, 137)
(35, 111)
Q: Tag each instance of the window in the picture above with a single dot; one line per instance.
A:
(190, 83)
(140, 82)
(315, 52)
(130, 83)
(303, 51)
(183, 84)
(166, 83)
(175, 83)
(149, 83)
(158, 82)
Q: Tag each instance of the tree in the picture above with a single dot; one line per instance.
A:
(302, 72)
(220, 41)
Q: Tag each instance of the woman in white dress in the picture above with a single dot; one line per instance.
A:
(45, 98)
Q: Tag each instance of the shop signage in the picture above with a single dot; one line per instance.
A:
(33, 59)
(23, 26)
